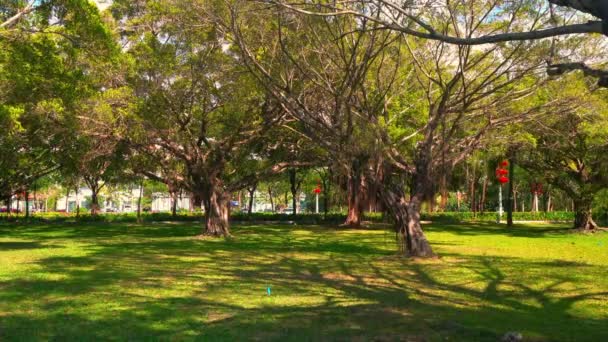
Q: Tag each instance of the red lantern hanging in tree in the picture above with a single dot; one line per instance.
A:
(502, 173)
(317, 190)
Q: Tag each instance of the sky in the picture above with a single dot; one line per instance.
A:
(103, 4)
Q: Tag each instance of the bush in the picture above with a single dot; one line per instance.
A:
(556, 216)
(303, 218)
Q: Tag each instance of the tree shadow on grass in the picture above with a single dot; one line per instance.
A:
(127, 291)
(486, 228)
(21, 245)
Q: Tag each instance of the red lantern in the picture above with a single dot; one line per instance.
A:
(317, 190)
(503, 179)
(501, 173)
(504, 163)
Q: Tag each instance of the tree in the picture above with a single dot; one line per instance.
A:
(569, 151)
(468, 92)
(201, 112)
(327, 77)
(97, 156)
(47, 47)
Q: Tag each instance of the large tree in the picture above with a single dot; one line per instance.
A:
(201, 112)
(330, 79)
(359, 82)
(569, 150)
(47, 48)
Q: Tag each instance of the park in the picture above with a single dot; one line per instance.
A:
(275, 170)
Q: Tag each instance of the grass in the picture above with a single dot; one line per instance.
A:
(156, 282)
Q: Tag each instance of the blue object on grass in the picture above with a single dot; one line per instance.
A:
(268, 290)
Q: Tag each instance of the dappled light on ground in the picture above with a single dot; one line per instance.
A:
(157, 281)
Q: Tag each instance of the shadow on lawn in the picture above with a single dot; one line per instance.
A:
(361, 297)
(486, 228)
(19, 245)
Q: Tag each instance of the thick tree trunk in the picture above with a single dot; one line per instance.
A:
(354, 196)
(94, 200)
(410, 237)
(217, 212)
(417, 244)
(583, 219)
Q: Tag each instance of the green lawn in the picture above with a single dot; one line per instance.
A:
(156, 282)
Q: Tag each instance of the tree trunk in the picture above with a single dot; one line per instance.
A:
(77, 202)
(217, 212)
(410, 237)
(141, 193)
(251, 198)
(443, 189)
(583, 218)
(295, 187)
(67, 201)
(271, 198)
(473, 203)
(36, 203)
(173, 196)
(510, 194)
(94, 200)
(353, 188)
(9, 205)
(417, 244)
(326, 190)
(484, 191)
(27, 204)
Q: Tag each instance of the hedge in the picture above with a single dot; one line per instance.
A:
(304, 218)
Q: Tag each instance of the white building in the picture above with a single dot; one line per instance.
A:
(70, 202)
(116, 201)
(162, 202)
